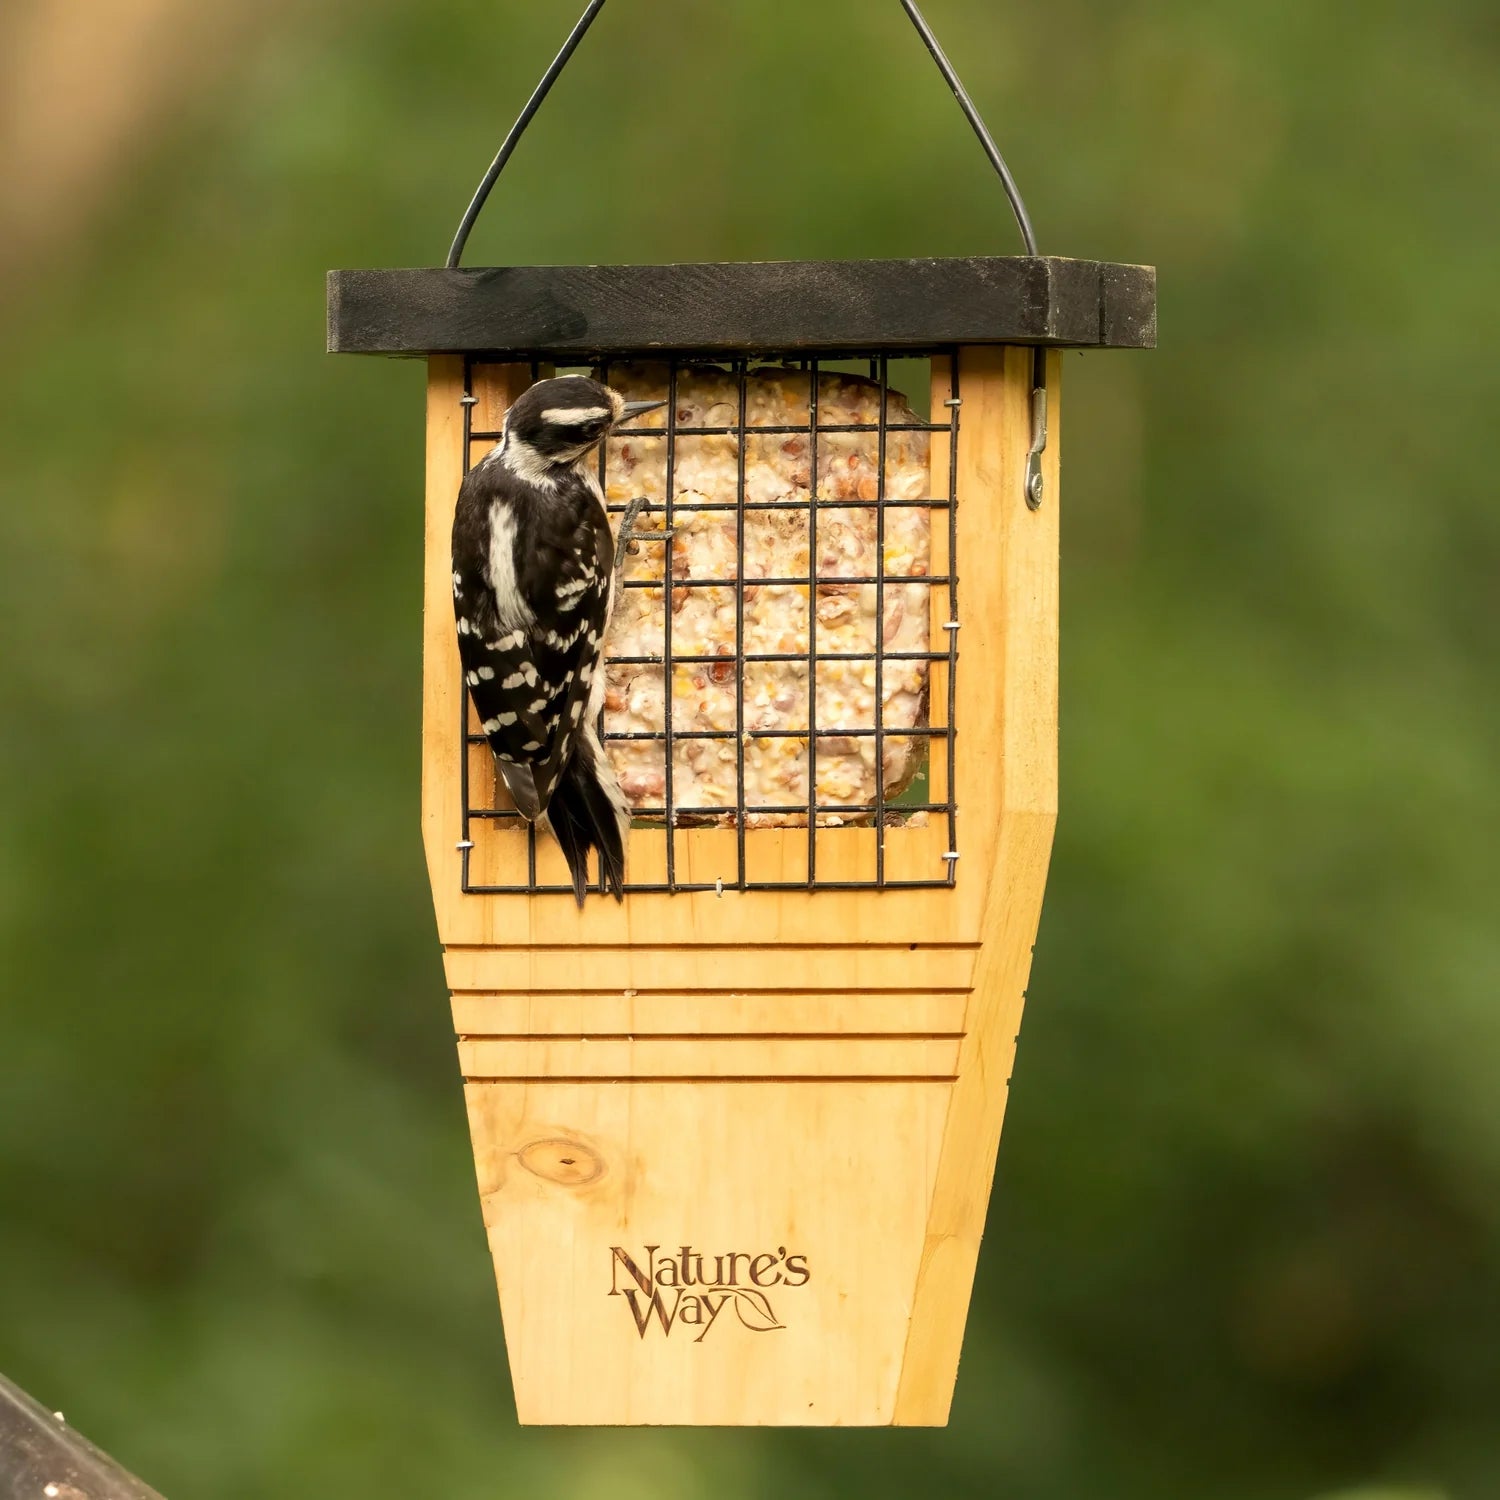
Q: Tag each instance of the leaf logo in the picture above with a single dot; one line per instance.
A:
(754, 1309)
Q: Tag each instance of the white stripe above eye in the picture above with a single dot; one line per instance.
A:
(571, 416)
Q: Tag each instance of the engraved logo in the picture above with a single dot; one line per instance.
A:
(692, 1290)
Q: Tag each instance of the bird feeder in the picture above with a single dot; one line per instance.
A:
(735, 1134)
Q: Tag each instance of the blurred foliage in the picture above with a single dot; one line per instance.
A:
(1246, 1232)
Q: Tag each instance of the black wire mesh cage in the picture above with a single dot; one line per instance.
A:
(785, 648)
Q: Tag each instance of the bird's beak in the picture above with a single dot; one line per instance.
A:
(638, 408)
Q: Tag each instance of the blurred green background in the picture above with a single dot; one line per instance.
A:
(1245, 1240)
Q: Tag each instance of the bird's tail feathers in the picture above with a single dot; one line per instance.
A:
(521, 785)
(588, 811)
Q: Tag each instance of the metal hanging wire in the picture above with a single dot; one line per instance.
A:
(503, 155)
(533, 104)
(971, 114)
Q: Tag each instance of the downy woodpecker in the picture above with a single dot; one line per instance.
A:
(533, 591)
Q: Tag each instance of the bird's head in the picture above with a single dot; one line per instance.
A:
(557, 422)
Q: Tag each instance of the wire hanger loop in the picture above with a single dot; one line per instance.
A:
(539, 94)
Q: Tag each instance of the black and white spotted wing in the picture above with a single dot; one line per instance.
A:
(532, 577)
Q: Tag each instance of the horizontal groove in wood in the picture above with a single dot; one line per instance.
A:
(846, 970)
(640, 1078)
(699, 997)
(708, 1057)
(720, 948)
(715, 1037)
(669, 1013)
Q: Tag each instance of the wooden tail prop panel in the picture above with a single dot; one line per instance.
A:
(735, 1151)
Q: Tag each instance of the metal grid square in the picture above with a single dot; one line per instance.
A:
(677, 818)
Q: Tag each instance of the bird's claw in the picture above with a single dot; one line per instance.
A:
(628, 534)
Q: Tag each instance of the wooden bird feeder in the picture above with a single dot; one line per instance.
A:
(735, 1135)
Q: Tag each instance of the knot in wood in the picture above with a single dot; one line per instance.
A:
(568, 1163)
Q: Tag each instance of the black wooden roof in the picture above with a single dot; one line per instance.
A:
(744, 307)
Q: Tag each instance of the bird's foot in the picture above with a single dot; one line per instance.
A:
(627, 532)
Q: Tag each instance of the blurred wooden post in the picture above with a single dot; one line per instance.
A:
(42, 1458)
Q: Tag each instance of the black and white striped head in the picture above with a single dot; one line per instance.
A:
(557, 422)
